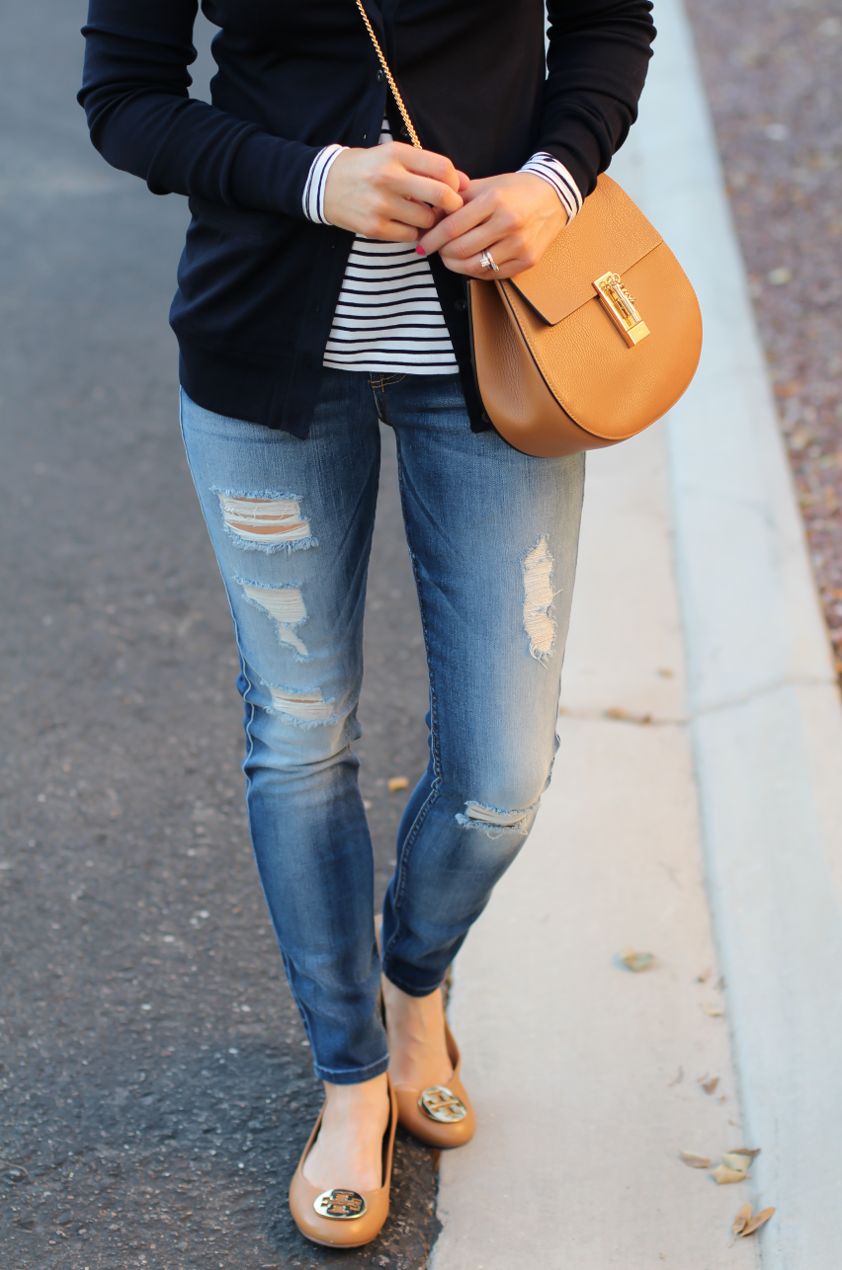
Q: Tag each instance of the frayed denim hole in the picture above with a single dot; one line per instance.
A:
(538, 619)
(263, 520)
(303, 709)
(284, 604)
(269, 548)
(494, 821)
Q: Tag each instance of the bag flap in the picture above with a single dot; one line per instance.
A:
(610, 233)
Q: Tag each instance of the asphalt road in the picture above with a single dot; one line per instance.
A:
(155, 1085)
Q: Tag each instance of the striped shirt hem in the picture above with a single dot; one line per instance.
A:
(388, 316)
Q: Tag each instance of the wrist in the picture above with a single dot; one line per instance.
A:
(554, 174)
(315, 189)
(542, 194)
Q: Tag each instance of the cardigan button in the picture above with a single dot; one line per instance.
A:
(380, 77)
(460, 306)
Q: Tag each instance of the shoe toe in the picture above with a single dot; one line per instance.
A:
(334, 1218)
(429, 1128)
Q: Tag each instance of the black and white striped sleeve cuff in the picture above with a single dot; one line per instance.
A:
(313, 201)
(556, 174)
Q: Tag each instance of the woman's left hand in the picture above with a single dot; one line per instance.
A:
(515, 217)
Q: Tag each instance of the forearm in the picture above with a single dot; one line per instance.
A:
(142, 120)
(599, 52)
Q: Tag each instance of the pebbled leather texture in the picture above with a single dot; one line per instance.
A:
(514, 394)
(613, 235)
(343, 1234)
(555, 385)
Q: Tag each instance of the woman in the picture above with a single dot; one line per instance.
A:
(322, 291)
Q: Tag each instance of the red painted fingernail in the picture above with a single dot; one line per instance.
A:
(420, 250)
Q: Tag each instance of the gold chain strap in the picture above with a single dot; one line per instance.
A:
(390, 79)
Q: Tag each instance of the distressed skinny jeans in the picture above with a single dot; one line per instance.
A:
(492, 537)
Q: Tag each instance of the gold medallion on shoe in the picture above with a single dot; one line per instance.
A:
(442, 1105)
(340, 1204)
(440, 1115)
(340, 1217)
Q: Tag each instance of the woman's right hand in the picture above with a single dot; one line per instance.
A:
(391, 192)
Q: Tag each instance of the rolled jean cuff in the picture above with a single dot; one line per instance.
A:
(354, 1077)
(412, 989)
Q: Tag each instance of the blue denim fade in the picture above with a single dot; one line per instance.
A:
(493, 537)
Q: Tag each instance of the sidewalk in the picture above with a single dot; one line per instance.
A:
(728, 801)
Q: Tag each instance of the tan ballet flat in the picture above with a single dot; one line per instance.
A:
(341, 1218)
(441, 1115)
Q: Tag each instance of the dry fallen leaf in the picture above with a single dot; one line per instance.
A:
(752, 1151)
(742, 1219)
(709, 1086)
(737, 1161)
(637, 961)
(617, 712)
(694, 1161)
(715, 1011)
(396, 783)
(704, 976)
(758, 1221)
(722, 1175)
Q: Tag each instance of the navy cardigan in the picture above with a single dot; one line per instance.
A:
(258, 282)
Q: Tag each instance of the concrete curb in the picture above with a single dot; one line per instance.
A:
(571, 1065)
(584, 1075)
(765, 712)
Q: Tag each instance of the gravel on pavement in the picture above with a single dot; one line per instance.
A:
(772, 73)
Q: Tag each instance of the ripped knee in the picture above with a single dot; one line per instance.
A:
(307, 709)
(495, 821)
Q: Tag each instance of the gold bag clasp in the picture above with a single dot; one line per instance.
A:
(620, 306)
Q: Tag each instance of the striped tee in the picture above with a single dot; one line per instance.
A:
(388, 316)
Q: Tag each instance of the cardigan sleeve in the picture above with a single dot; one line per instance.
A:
(143, 120)
(598, 55)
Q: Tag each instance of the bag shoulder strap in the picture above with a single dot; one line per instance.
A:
(390, 79)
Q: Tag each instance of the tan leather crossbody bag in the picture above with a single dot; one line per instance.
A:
(595, 342)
